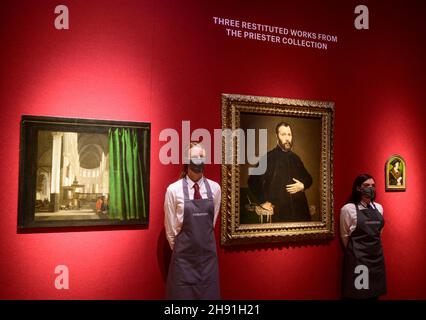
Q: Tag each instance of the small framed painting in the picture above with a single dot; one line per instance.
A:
(395, 172)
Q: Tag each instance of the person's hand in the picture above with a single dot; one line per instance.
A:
(267, 205)
(399, 181)
(295, 187)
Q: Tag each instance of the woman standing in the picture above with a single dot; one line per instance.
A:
(191, 208)
(361, 224)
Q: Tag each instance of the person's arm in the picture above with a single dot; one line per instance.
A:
(303, 175)
(217, 196)
(380, 209)
(256, 184)
(303, 179)
(170, 217)
(346, 221)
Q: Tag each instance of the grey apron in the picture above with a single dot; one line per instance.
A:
(365, 248)
(193, 270)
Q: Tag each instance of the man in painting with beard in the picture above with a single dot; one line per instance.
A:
(281, 188)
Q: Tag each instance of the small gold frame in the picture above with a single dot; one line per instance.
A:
(396, 181)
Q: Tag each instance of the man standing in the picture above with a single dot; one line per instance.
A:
(281, 188)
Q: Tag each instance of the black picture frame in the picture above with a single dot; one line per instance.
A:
(32, 128)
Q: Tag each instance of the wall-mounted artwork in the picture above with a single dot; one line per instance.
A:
(81, 172)
(291, 198)
(395, 172)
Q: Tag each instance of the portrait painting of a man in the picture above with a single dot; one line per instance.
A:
(281, 188)
(278, 179)
(395, 171)
(288, 190)
(395, 174)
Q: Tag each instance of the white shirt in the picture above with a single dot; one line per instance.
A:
(348, 218)
(174, 203)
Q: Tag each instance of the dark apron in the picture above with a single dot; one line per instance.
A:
(365, 248)
(193, 270)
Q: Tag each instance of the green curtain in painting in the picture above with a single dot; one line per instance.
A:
(127, 199)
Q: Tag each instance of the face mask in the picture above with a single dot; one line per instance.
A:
(197, 164)
(370, 192)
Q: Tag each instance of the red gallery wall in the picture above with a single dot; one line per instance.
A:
(165, 61)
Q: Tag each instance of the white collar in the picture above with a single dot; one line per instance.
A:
(363, 205)
(191, 183)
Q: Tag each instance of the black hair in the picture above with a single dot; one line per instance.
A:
(283, 124)
(395, 161)
(356, 195)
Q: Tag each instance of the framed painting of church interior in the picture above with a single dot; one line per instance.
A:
(82, 172)
(395, 172)
(277, 169)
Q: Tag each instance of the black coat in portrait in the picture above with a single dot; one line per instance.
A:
(282, 167)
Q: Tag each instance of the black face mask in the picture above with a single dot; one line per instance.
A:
(370, 192)
(196, 165)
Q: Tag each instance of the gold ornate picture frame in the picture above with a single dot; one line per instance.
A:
(396, 173)
(255, 212)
